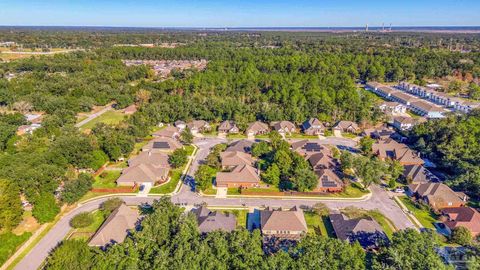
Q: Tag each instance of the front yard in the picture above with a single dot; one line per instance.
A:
(86, 232)
(426, 217)
(169, 187)
(110, 118)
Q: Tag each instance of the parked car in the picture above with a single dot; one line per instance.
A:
(399, 190)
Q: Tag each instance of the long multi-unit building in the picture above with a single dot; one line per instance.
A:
(417, 105)
(439, 98)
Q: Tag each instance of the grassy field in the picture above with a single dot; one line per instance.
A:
(86, 232)
(107, 181)
(110, 117)
(426, 217)
(170, 186)
(318, 224)
(9, 243)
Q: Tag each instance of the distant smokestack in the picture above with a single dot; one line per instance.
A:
(390, 27)
(366, 28)
(383, 27)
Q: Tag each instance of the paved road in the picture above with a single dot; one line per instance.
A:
(380, 200)
(93, 116)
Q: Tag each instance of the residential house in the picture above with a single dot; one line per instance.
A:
(313, 126)
(462, 217)
(416, 174)
(240, 146)
(228, 127)
(116, 227)
(365, 230)
(130, 109)
(232, 159)
(257, 128)
(162, 144)
(389, 148)
(324, 167)
(198, 126)
(307, 148)
(180, 125)
(286, 224)
(379, 133)
(209, 221)
(403, 122)
(168, 132)
(242, 176)
(143, 174)
(392, 107)
(437, 195)
(347, 126)
(158, 159)
(284, 127)
(27, 129)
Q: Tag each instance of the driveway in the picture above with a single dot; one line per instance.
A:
(221, 192)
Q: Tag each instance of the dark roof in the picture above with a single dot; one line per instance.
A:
(209, 221)
(417, 173)
(345, 227)
(240, 146)
(312, 123)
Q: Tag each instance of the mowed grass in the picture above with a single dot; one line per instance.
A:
(9, 243)
(318, 224)
(86, 232)
(106, 179)
(384, 222)
(240, 215)
(170, 186)
(110, 118)
(426, 217)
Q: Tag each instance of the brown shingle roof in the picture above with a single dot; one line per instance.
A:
(344, 227)
(169, 132)
(235, 158)
(390, 148)
(162, 144)
(241, 145)
(143, 173)
(116, 226)
(283, 126)
(241, 174)
(278, 220)
(436, 193)
(257, 127)
(147, 157)
(209, 221)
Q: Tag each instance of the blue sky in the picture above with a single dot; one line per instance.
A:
(238, 13)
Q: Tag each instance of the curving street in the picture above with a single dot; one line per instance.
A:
(379, 199)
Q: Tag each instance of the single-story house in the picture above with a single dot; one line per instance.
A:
(307, 148)
(209, 221)
(243, 176)
(392, 149)
(157, 159)
(287, 224)
(228, 127)
(143, 174)
(347, 126)
(162, 144)
(116, 227)
(437, 195)
(365, 230)
(257, 128)
(379, 133)
(231, 159)
(240, 146)
(313, 126)
(284, 127)
(462, 217)
(415, 174)
(324, 167)
(168, 132)
(198, 126)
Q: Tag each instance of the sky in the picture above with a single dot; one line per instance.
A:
(240, 13)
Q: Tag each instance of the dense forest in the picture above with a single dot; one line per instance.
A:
(250, 76)
(169, 239)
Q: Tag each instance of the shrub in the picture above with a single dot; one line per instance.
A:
(111, 204)
(82, 220)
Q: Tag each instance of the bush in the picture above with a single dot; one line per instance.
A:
(178, 158)
(82, 220)
(111, 204)
(461, 236)
(45, 207)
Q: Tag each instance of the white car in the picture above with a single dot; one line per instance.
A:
(399, 190)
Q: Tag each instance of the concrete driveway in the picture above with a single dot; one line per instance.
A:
(221, 192)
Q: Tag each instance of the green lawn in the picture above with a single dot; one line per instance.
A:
(318, 224)
(233, 191)
(108, 181)
(348, 135)
(426, 217)
(241, 216)
(351, 191)
(236, 136)
(9, 243)
(210, 191)
(190, 149)
(110, 117)
(301, 136)
(170, 186)
(85, 233)
(138, 146)
(385, 223)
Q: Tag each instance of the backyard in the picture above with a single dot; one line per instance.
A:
(106, 179)
(319, 224)
(426, 217)
(241, 216)
(385, 223)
